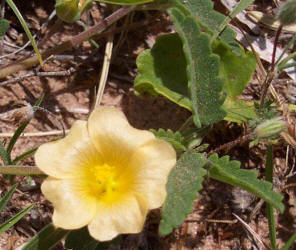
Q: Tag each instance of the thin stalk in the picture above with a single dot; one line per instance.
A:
(289, 65)
(277, 35)
(284, 61)
(231, 144)
(269, 208)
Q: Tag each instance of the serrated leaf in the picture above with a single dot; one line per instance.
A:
(211, 20)
(7, 197)
(46, 238)
(235, 71)
(163, 70)
(9, 223)
(4, 25)
(183, 184)
(202, 70)
(229, 172)
(175, 138)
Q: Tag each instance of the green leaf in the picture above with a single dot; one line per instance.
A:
(7, 197)
(20, 130)
(125, 2)
(46, 238)
(229, 172)
(290, 242)
(183, 184)
(81, 240)
(211, 20)
(235, 71)
(163, 70)
(175, 138)
(9, 223)
(239, 111)
(4, 155)
(24, 155)
(4, 25)
(202, 70)
(15, 136)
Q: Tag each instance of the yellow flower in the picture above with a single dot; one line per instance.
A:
(105, 174)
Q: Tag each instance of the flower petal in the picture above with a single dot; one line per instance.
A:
(153, 162)
(126, 216)
(113, 136)
(64, 158)
(72, 208)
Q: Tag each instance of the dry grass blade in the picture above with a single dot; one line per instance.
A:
(254, 234)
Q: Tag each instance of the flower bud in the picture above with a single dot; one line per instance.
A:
(270, 128)
(287, 12)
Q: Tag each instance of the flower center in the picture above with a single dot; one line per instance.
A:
(106, 178)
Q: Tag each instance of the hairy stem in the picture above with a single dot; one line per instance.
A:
(20, 170)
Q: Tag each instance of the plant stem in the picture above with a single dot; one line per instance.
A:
(28, 62)
(269, 208)
(231, 144)
(270, 75)
(277, 35)
(20, 170)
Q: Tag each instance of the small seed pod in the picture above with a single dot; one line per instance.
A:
(287, 12)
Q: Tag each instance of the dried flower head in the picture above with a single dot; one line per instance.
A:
(105, 174)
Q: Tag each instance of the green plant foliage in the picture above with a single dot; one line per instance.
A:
(238, 110)
(7, 197)
(125, 2)
(81, 240)
(175, 138)
(163, 70)
(46, 238)
(9, 223)
(235, 71)
(229, 172)
(211, 20)
(290, 242)
(183, 184)
(3, 202)
(202, 70)
(4, 25)
(24, 155)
